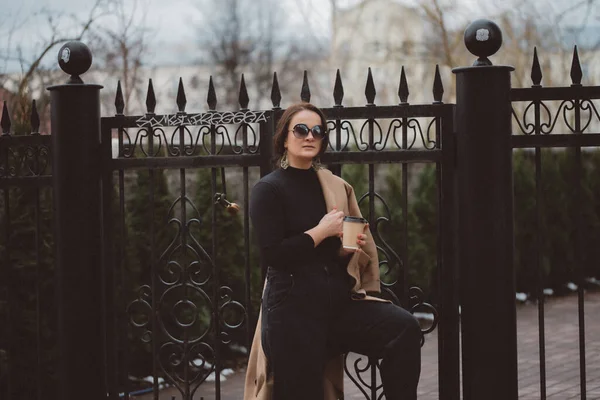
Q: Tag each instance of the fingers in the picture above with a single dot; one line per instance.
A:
(338, 215)
(361, 239)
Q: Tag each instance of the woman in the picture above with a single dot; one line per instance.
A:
(316, 303)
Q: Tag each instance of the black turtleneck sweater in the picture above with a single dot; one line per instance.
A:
(283, 205)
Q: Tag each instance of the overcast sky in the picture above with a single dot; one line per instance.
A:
(173, 24)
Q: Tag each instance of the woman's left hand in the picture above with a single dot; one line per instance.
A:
(361, 240)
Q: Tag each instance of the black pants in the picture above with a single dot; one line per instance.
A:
(308, 316)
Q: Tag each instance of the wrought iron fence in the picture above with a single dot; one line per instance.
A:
(27, 330)
(181, 312)
(562, 120)
(179, 302)
(215, 141)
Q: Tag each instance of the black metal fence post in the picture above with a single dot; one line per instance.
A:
(487, 287)
(75, 114)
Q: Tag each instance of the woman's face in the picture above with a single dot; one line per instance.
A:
(301, 151)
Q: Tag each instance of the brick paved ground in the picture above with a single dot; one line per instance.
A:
(562, 357)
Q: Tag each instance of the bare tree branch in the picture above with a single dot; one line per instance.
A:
(35, 76)
(120, 47)
(57, 39)
(434, 12)
(244, 36)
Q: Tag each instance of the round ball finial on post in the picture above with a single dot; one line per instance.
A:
(483, 38)
(75, 58)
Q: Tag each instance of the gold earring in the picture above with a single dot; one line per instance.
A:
(284, 163)
(316, 164)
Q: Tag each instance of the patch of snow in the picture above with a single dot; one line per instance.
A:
(522, 297)
(211, 377)
(198, 362)
(150, 379)
(592, 280)
(238, 348)
(548, 292)
(571, 286)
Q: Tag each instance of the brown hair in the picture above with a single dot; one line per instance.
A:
(283, 126)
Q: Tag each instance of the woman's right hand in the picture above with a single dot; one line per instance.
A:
(331, 224)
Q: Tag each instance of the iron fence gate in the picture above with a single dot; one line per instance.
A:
(166, 313)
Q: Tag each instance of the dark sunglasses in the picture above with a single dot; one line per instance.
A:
(301, 131)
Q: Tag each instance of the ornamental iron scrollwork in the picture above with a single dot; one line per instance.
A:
(372, 126)
(126, 149)
(415, 128)
(186, 138)
(185, 367)
(148, 145)
(342, 125)
(570, 113)
(181, 326)
(417, 302)
(207, 118)
(361, 365)
(24, 161)
(413, 131)
(390, 264)
(232, 313)
(243, 130)
(185, 141)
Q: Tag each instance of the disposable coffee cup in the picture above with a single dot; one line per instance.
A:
(352, 226)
